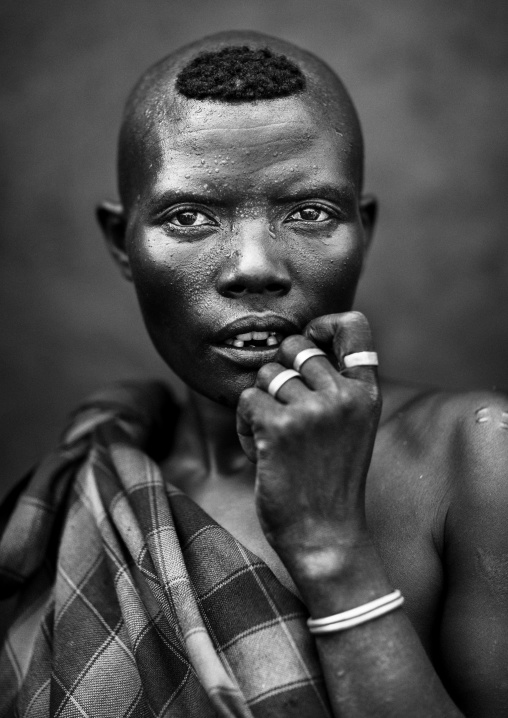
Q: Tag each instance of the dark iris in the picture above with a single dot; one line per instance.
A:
(186, 218)
(309, 213)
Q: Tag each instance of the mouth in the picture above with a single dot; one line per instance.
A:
(254, 339)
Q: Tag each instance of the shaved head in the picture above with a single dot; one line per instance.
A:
(156, 100)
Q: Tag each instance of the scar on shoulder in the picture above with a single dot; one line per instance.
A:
(488, 415)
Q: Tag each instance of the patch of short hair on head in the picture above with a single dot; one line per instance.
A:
(240, 74)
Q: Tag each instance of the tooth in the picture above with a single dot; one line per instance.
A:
(244, 337)
(260, 335)
(271, 341)
(238, 343)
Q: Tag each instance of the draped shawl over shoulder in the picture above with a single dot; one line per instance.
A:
(130, 599)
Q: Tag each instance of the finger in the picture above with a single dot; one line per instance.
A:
(252, 406)
(317, 371)
(293, 389)
(246, 436)
(346, 334)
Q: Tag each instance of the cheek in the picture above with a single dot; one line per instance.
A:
(170, 279)
(329, 269)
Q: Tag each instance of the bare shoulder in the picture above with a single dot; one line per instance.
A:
(477, 451)
(461, 436)
(450, 421)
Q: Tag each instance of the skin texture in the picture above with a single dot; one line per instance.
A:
(254, 212)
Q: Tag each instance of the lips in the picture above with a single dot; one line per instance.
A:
(256, 332)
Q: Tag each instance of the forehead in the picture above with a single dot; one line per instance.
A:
(249, 143)
(229, 123)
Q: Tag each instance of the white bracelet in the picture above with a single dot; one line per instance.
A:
(356, 616)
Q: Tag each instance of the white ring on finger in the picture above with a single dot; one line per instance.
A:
(278, 382)
(305, 354)
(360, 359)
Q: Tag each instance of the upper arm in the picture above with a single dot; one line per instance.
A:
(474, 630)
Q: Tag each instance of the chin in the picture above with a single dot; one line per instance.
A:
(226, 393)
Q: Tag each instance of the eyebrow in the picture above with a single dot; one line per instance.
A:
(344, 192)
(161, 201)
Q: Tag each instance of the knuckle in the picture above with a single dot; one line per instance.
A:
(333, 391)
(281, 423)
(357, 317)
(265, 374)
(293, 423)
(246, 398)
(356, 321)
(358, 336)
(291, 344)
(347, 401)
(316, 411)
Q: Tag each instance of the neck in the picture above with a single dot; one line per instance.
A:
(206, 439)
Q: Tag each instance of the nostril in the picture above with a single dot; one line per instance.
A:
(275, 288)
(236, 290)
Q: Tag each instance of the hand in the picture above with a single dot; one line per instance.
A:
(313, 443)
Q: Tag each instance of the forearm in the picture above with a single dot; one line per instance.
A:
(378, 668)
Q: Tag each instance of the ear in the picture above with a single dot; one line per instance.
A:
(112, 220)
(368, 215)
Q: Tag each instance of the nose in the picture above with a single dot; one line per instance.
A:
(256, 265)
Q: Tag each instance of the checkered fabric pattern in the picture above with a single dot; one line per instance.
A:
(131, 600)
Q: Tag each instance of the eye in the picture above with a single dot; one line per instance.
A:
(309, 213)
(189, 218)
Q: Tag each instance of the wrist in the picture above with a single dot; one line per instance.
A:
(335, 579)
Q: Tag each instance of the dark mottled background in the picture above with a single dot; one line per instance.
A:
(430, 81)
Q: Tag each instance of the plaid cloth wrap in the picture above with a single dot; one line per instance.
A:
(131, 600)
